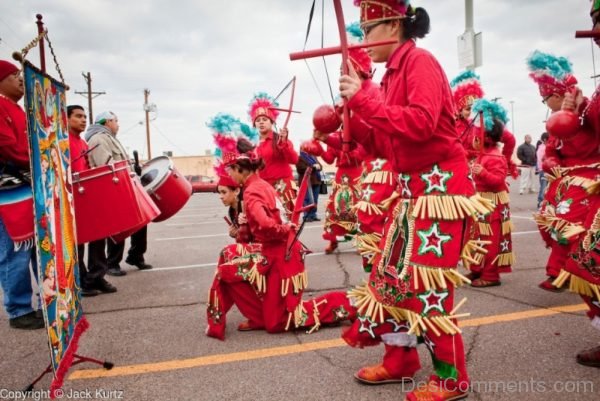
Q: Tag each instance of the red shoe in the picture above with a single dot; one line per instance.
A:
(548, 286)
(434, 392)
(481, 283)
(331, 247)
(247, 326)
(378, 374)
(217, 332)
(590, 357)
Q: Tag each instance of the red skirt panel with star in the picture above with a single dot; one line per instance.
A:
(422, 243)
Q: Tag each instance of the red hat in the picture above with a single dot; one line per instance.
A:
(381, 10)
(227, 181)
(466, 88)
(263, 105)
(7, 68)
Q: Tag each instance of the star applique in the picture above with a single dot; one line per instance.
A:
(480, 216)
(398, 326)
(505, 213)
(432, 240)
(436, 179)
(367, 326)
(367, 193)
(432, 300)
(377, 164)
(404, 179)
(504, 246)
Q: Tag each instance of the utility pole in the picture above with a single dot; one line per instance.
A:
(147, 110)
(89, 94)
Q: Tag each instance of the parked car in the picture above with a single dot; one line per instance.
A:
(202, 183)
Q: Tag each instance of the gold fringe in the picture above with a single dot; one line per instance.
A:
(368, 305)
(379, 177)
(434, 277)
(385, 204)
(499, 198)
(299, 282)
(473, 252)
(507, 227)
(367, 243)
(485, 228)
(451, 207)
(316, 315)
(549, 221)
(258, 280)
(577, 285)
(504, 259)
(367, 207)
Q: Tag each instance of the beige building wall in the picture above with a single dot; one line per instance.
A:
(195, 165)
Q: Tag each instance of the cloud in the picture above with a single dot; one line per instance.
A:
(199, 58)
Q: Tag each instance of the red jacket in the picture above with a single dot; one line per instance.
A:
(277, 162)
(580, 149)
(14, 146)
(77, 147)
(412, 124)
(493, 175)
(263, 211)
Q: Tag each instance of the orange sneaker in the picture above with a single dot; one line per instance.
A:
(378, 374)
(331, 247)
(434, 392)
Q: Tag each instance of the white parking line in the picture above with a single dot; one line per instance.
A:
(525, 232)
(512, 216)
(214, 264)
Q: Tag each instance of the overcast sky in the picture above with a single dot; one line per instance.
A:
(200, 57)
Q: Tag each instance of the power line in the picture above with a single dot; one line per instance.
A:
(185, 153)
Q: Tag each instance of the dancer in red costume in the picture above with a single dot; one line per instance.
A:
(410, 292)
(581, 270)
(466, 88)
(254, 273)
(569, 164)
(275, 149)
(489, 169)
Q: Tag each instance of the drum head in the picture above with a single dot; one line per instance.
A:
(154, 172)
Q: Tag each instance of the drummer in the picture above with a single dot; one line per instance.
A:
(106, 149)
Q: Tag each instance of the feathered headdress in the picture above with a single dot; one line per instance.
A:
(263, 105)
(491, 111)
(552, 74)
(359, 57)
(466, 88)
(382, 10)
(226, 131)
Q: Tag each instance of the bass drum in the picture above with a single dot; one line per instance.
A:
(166, 186)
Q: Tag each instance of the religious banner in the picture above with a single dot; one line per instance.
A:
(56, 249)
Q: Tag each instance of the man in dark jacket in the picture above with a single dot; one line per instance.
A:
(526, 154)
(312, 194)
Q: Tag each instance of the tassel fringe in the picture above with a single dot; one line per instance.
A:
(505, 259)
(473, 252)
(577, 285)
(379, 177)
(451, 207)
(368, 305)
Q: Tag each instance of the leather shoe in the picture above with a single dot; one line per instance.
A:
(590, 357)
(139, 264)
(89, 292)
(104, 286)
(116, 271)
(27, 322)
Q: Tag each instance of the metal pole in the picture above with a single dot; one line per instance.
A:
(40, 26)
(88, 79)
(468, 15)
(146, 93)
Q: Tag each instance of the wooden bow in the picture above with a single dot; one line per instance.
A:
(298, 210)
